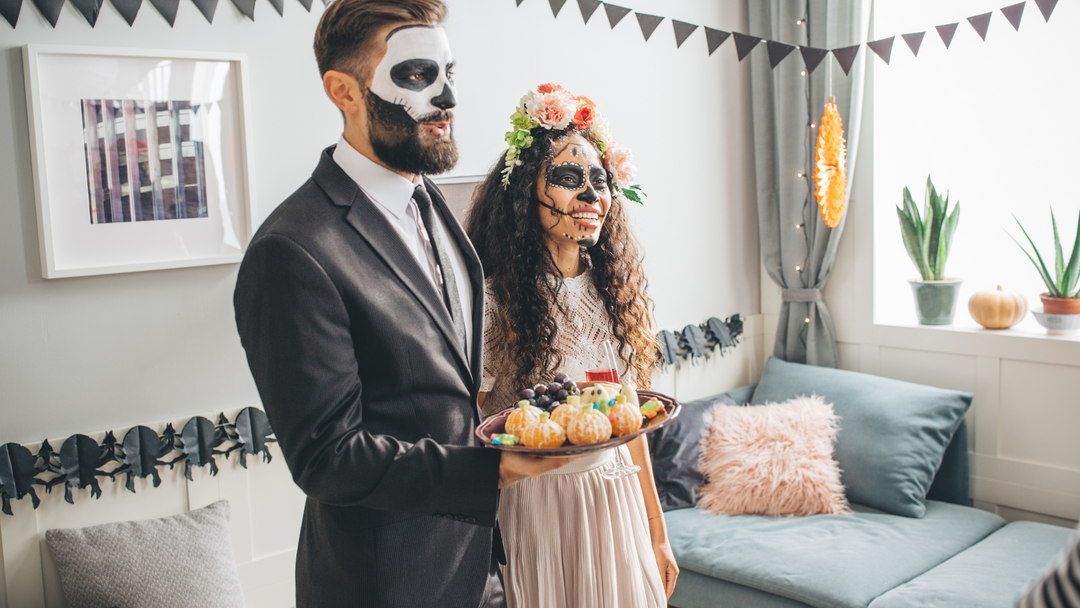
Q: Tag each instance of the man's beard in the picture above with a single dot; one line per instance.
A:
(399, 141)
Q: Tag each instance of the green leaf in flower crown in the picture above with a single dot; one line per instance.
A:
(634, 193)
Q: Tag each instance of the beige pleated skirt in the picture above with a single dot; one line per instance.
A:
(576, 540)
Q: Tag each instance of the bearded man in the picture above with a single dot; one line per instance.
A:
(360, 306)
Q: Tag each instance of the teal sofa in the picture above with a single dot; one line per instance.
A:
(953, 556)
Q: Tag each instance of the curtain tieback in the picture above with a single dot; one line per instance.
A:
(802, 295)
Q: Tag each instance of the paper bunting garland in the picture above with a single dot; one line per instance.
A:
(615, 14)
(128, 9)
(279, 6)
(777, 52)
(830, 163)
(1046, 7)
(715, 38)
(682, 31)
(50, 9)
(914, 41)
(882, 48)
(981, 23)
(744, 44)
(947, 32)
(846, 56)
(556, 6)
(648, 24)
(247, 7)
(812, 57)
(588, 7)
(1014, 14)
(10, 9)
(168, 9)
(90, 10)
(209, 7)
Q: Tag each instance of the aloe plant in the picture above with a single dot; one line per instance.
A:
(927, 237)
(1066, 275)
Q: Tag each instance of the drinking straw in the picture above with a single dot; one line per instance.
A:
(609, 356)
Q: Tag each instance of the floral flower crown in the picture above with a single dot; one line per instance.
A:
(551, 107)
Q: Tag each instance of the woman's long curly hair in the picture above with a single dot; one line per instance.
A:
(504, 226)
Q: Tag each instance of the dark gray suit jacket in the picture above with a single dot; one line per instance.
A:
(357, 364)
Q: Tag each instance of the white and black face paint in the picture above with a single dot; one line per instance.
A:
(417, 71)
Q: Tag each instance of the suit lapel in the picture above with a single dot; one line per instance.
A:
(476, 275)
(374, 228)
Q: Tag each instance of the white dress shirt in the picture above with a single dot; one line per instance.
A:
(392, 195)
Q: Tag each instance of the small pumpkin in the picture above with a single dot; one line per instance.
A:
(625, 417)
(997, 309)
(588, 426)
(523, 417)
(565, 412)
(546, 434)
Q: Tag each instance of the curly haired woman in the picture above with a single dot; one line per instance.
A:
(564, 276)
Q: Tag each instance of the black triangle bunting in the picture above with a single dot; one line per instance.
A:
(981, 23)
(947, 32)
(90, 10)
(306, 4)
(208, 8)
(168, 8)
(50, 9)
(914, 41)
(744, 44)
(682, 31)
(812, 57)
(648, 24)
(128, 9)
(615, 14)
(10, 9)
(715, 38)
(556, 6)
(777, 52)
(1014, 14)
(247, 7)
(1046, 7)
(518, 2)
(882, 48)
(588, 7)
(279, 6)
(846, 56)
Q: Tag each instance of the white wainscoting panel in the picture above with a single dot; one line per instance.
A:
(1040, 415)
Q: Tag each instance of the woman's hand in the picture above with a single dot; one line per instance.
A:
(665, 559)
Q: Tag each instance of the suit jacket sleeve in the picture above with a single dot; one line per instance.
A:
(295, 329)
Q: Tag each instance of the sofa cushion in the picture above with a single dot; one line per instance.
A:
(825, 560)
(992, 574)
(893, 434)
(184, 561)
(675, 449)
(699, 591)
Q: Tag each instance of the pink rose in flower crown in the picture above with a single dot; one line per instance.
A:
(620, 166)
(552, 110)
(549, 88)
(586, 113)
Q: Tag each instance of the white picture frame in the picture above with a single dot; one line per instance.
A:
(97, 213)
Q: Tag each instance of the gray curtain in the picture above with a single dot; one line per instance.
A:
(797, 248)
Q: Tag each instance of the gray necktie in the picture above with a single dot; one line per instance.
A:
(442, 254)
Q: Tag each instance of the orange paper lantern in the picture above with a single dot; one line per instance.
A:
(831, 164)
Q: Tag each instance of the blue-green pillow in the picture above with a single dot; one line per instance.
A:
(893, 434)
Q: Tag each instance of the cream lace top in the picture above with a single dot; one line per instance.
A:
(579, 339)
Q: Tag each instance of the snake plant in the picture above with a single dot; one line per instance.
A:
(1067, 275)
(928, 237)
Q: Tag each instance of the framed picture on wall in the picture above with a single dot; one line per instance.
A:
(141, 158)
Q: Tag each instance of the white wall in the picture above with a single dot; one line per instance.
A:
(95, 353)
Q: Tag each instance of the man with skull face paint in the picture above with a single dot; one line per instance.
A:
(359, 304)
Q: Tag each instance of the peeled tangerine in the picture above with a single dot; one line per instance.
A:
(523, 417)
(588, 426)
(546, 434)
(625, 417)
(566, 411)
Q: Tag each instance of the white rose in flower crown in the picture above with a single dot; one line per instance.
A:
(601, 129)
(619, 164)
(552, 110)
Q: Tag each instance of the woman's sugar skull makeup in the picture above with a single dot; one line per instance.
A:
(573, 192)
(416, 72)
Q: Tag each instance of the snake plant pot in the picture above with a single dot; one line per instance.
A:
(935, 301)
(1060, 306)
(1057, 324)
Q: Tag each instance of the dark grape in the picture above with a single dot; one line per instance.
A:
(532, 401)
(561, 395)
(527, 394)
(540, 389)
(554, 387)
(570, 386)
(561, 377)
(543, 400)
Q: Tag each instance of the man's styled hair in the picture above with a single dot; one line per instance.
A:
(346, 32)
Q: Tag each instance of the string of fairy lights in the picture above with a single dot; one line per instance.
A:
(808, 174)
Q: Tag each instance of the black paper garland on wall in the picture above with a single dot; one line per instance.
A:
(914, 41)
(846, 56)
(50, 9)
(777, 52)
(648, 24)
(744, 44)
(714, 38)
(247, 7)
(588, 7)
(882, 48)
(812, 57)
(1046, 7)
(81, 460)
(682, 31)
(556, 6)
(10, 9)
(981, 23)
(615, 14)
(90, 10)
(947, 32)
(1013, 14)
(209, 7)
(697, 342)
(168, 9)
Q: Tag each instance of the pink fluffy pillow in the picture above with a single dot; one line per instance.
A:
(773, 459)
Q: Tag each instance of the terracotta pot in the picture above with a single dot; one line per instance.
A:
(1060, 306)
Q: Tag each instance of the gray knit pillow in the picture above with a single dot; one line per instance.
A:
(181, 561)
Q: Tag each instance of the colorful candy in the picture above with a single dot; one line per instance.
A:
(504, 439)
